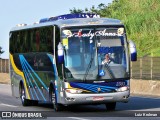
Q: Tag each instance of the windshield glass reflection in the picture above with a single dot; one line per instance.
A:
(95, 54)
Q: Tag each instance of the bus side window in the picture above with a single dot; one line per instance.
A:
(37, 40)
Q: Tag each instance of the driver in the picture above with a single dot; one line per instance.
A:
(106, 59)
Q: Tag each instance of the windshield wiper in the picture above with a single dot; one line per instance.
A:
(88, 68)
(109, 71)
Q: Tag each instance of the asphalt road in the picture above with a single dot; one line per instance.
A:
(137, 108)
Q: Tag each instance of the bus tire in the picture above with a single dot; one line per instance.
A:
(111, 106)
(33, 102)
(53, 97)
(24, 101)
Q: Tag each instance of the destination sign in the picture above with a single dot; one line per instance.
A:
(91, 33)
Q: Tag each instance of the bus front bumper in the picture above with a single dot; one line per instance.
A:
(99, 98)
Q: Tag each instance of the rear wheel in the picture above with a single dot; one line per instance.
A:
(53, 97)
(25, 102)
(111, 106)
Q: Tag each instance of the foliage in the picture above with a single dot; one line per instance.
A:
(142, 21)
(74, 10)
(1, 51)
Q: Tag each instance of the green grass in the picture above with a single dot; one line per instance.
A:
(142, 20)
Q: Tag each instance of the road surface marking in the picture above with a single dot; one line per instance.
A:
(77, 118)
(2, 104)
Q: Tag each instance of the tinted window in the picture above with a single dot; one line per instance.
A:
(32, 40)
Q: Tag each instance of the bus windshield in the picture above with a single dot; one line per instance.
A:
(95, 54)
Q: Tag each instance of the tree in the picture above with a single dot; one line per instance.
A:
(102, 10)
(1, 51)
(86, 10)
(74, 10)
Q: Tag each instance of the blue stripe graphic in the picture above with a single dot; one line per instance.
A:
(29, 67)
(93, 90)
(26, 69)
(93, 87)
(35, 74)
(82, 84)
(26, 79)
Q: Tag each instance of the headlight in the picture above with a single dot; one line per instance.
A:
(121, 89)
(74, 91)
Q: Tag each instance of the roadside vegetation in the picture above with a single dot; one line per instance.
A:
(1, 51)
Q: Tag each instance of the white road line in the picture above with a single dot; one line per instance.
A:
(77, 118)
(2, 104)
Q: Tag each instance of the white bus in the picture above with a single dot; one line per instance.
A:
(71, 59)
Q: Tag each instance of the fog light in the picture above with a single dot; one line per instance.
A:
(74, 91)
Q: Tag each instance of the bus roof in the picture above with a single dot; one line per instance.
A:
(72, 22)
(87, 22)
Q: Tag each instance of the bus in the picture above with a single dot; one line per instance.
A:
(71, 59)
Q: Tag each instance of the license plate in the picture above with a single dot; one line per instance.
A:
(98, 98)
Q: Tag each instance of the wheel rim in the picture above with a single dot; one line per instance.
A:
(53, 98)
(23, 95)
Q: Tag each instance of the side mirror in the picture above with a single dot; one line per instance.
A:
(133, 51)
(60, 53)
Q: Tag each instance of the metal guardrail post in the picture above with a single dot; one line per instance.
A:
(131, 71)
(5, 66)
(1, 65)
(151, 68)
(141, 68)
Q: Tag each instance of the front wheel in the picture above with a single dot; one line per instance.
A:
(56, 106)
(111, 106)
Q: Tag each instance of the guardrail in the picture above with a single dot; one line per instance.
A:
(146, 68)
(4, 66)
